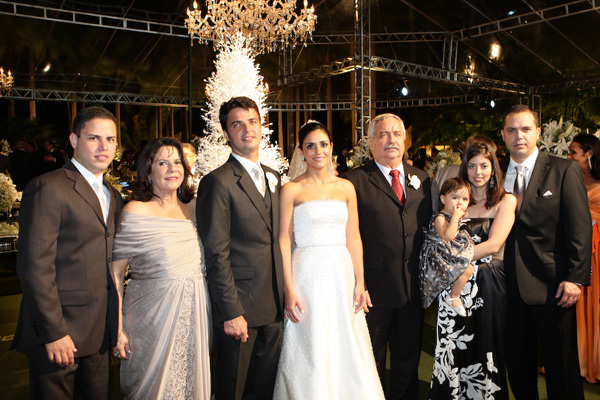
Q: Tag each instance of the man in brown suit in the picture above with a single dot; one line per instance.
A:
(68, 313)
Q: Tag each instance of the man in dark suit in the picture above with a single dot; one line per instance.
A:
(22, 163)
(547, 259)
(68, 315)
(394, 205)
(238, 220)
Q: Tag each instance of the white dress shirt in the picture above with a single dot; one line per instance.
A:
(386, 172)
(91, 179)
(249, 166)
(511, 172)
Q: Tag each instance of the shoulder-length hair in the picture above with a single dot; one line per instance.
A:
(495, 186)
(142, 190)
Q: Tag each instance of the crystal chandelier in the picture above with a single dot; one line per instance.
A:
(267, 25)
(6, 82)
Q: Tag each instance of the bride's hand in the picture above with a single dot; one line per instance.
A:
(122, 349)
(291, 302)
(361, 299)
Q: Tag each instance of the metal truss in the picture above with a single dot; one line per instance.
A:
(400, 37)
(567, 86)
(100, 97)
(323, 71)
(403, 68)
(362, 72)
(91, 19)
(442, 75)
(348, 105)
(530, 18)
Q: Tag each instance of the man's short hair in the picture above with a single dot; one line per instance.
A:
(88, 114)
(381, 117)
(235, 102)
(519, 108)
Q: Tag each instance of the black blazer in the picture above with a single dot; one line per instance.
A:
(392, 234)
(551, 240)
(241, 244)
(65, 251)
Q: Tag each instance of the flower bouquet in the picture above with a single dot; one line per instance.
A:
(557, 136)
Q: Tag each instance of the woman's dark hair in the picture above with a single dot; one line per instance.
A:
(142, 190)
(590, 142)
(309, 127)
(495, 187)
(452, 185)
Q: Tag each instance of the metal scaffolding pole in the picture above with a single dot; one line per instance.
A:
(362, 70)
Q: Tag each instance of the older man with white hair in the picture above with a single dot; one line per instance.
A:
(394, 204)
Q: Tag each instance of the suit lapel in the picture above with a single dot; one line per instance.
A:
(537, 176)
(246, 183)
(83, 188)
(377, 179)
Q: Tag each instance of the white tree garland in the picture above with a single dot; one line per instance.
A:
(236, 75)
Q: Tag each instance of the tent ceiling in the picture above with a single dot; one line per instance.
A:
(545, 46)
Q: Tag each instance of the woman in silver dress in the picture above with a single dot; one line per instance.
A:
(164, 328)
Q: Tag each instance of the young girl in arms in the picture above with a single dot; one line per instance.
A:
(448, 248)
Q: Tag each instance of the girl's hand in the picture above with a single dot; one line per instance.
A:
(122, 349)
(458, 212)
(291, 302)
(361, 299)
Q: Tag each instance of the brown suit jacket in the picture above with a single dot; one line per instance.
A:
(63, 262)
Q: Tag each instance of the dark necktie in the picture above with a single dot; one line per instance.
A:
(519, 189)
(397, 186)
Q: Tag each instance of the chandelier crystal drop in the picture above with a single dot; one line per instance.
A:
(6, 82)
(266, 25)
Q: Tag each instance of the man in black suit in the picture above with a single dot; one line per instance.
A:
(238, 220)
(22, 163)
(547, 258)
(68, 315)
(394, 205)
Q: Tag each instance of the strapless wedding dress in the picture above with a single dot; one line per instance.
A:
(328, 354)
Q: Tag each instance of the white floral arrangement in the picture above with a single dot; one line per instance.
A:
(557, 136)
(360, 154)
(5, 149)
(8, 194)
(443, 159)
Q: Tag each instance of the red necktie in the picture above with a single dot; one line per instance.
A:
(397, 186)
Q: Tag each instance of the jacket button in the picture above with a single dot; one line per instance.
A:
(107, 234)
(109, 260)
(407, 260)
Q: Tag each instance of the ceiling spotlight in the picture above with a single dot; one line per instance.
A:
(495, 51)
(492, 103)
(404, 90)
(511, 13)
(47, 68)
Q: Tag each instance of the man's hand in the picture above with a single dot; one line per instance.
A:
(237, 328)
(569, 294)
(61, 351)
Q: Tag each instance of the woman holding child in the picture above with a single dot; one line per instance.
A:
(469, 353)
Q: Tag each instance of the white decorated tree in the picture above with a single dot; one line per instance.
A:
(236, 74)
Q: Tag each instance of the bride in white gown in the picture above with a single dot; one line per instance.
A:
(326, 350)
